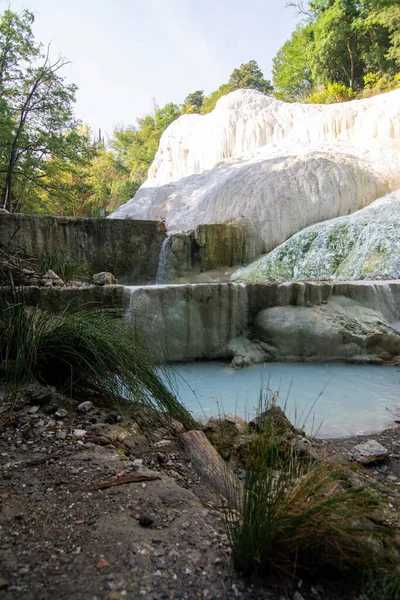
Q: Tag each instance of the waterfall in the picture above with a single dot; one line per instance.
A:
(162, 261)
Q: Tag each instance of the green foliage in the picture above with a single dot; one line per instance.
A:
(291, 74)
(88, 353)
(249, 76)
(39, 133)
(302, 517)
(210, 101)
(193, 102)
(339, 42)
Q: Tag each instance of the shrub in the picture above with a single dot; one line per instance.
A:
(86, 353)
(375, 83)
(331, 93)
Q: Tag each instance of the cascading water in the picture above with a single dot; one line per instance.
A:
(162, 261)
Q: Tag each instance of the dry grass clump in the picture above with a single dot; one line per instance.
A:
(304, 517)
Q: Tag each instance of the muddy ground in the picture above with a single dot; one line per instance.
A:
(161, 538)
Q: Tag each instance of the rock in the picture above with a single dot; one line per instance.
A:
(33, 410)
(3, 582)
(104, 278)
(39, 395)
(85, 407)
(50, 279)
(252, 154)
(342, 329)
(238, 362)
(280, 421)
(79, 433)
(61, 413)
(145, 521)
(245, 352)
(363, 244)
(113, 417)
(370, 452)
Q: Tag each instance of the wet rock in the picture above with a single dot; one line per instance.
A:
(370, 452)
(104, 278)
(85, 407)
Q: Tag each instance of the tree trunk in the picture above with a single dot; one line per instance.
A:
(351, 55)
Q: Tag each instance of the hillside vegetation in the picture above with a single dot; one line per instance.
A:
(51, 163)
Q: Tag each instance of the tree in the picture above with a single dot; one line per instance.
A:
(346, 39)
(292, 77)
(249, 76)
(37, 124)
(193, 102)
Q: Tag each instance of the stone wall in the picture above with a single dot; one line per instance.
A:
(210, 247)
(129, 249)
(197, 321)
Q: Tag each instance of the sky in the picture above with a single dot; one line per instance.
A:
(125, 53)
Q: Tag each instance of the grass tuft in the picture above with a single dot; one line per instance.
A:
(301, 517)
(63, 265)
(85, 353)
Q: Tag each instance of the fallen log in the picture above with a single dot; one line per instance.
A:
(210, 466)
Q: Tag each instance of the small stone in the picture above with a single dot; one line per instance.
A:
(370, 452)
(85, 407)
(61, 413)
(104, 278)
(297, 596)
(79, 433)
(145, 521)
(113, 417)
(162, 443)
(51, 278)
(33, 410)
(3, 583)
(61, 435)
(38, 395)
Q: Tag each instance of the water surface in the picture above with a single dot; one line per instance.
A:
(339, 399)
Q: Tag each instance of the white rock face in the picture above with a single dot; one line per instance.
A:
(283, 166)
(364, 244)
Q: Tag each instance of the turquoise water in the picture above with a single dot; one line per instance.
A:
(332, 400)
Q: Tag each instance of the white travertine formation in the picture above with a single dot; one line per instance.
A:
(284, 166)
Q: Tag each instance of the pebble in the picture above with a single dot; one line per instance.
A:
(145, 521)
(61, 413)
(113, 417)
(85, 407)
(79, 433)
(33, 410)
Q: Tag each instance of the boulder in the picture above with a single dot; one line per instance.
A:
(245, 352)
(340, 330)
(104, 278)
